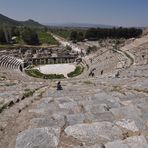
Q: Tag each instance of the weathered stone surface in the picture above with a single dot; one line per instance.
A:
(116, 144)
(96, 108)
(104, 98)
(75, 119)
(46, 106)
(53, 121)
(38, 137)
(42, 110)
(129, 111)
(128, 124)
(137, 142)
(131, 142)
(91, 146)
(106, 116)
(94, 146)
(128, 102)
(144, 106)
(68, 105)
(81, 118)
(99, 131)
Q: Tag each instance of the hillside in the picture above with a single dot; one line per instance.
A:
(31, 23)
(7, 20)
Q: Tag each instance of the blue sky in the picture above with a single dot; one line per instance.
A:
(109, 12)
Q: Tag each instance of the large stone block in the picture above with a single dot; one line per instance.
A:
(38, 137)
(131, 142)
(93, 132)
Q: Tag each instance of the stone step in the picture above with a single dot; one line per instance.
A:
(131, 142)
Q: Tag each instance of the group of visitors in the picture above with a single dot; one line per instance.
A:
(59, 86)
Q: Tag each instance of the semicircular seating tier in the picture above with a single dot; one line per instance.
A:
(7, 62)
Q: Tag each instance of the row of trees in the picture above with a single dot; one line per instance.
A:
(76, 36)
(28, 35)
(113, 33)
(99, 33)
(6, 33)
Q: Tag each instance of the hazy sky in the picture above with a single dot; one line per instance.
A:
(109, 12)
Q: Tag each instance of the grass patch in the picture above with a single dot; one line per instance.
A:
(28, 93)
(46, 38)
(78, 70)
(37, 74)
(10, 84)
(117, 89)
(88, 82)
(141, 90)
(6, 46)
(3, 107)
(41, 94)
(64, 33)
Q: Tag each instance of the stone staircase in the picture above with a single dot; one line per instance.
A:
(7, 62)
(87, 115)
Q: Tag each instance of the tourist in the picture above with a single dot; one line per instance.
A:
(101, 72)
(143, 56)
(92, 74)
(117, 74)
(59, 87)
(21, 68)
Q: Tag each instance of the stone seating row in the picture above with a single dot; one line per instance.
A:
(85, 117)
(8, 62)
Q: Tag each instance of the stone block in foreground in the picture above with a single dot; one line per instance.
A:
(131, 142)
(94, 132)
(47, 137)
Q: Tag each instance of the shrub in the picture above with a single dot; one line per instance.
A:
(76, 72)
(36, 73)
(3, 107)
(28, 93)
(88, 82)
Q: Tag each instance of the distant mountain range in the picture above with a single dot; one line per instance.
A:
(9, 21)
(80, 25)
(31, 23)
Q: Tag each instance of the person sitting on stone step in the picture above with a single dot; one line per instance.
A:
(101, 72)
(59, 87)
(117, 74)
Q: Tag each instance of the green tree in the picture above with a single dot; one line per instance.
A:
(2, 36)
(80, 36)
(74, 36)
(91, 34)
(30, 37)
